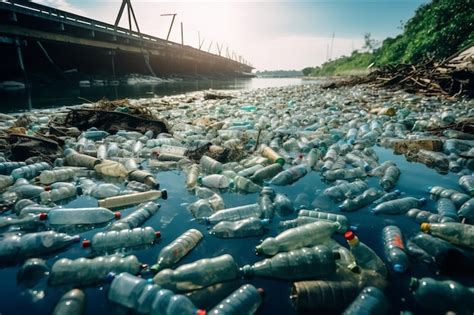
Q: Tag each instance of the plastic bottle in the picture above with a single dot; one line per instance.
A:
(6, 168)
(467, 183)
(14, 248)
(290, 175)
(245, 185)
(144, 177)
(137, 186)
(387, 197)
(442, 296)
(270, 154)
(446, 208)
(398, 206)
(84, 272)
(242, 228)
(395, 248)
(26, 207)
(112, 240)
(192, 174)
(421, 216)
(30, 171)
(340, 191)
(371, 301)
(73, 216)
(210, 166)
(198, 274)
(283, 205)
(247, 172)
(364, 199)
(312, 158)
(303, 263)
(343, 173)
(132, 199)
(265, 202)
(467, 210)
(177, 249)
(71, 303)
(217, 181)
(327, 216)
(323, 295)
(59, 194)
(6, 181)
(390, 177)
(125, 289)
(111, 168)
(29, 222)
(308, 234)
(72, 158)
(266, 172)
(137, 217)
(453, 232)
(365, 257)
(299, 221)
(59, 175)
(245, 300)
(379, 171)
(102, 151)
(234, 214)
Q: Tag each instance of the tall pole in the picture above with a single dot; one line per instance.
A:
(199, 40)
(182, 36)
(171, 25)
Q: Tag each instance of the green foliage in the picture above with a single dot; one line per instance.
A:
(279, 73)
(437, 30)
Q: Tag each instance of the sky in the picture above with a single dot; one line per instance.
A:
(270, 35)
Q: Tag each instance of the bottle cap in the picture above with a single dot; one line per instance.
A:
(149, 281)
(117, 215)
(261, 291)
(247, 271)
(258, 250)
(158, 234)
(164, 194)
(43, 216)
(397, 192)
(86, 243)
(425, 227)
(398, 268)
(47, 188)
(110, 277)
(200, 312)
(349, 235)
(155, 268)
(414, 283)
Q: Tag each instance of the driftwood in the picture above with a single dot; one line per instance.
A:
(20, 147)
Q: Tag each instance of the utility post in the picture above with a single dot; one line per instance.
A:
(172, 21)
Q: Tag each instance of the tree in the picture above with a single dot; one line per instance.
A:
(307, 71)
(369, 43)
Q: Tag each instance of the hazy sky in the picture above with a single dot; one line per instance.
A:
(269, 34)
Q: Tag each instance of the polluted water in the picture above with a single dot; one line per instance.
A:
(268, 201)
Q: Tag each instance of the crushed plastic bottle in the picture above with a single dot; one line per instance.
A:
(198, 274)
(177, 249)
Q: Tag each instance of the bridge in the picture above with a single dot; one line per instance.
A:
(37, 39)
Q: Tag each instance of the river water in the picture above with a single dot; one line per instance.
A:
(173, 219)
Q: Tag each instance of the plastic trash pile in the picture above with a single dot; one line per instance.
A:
(314, 194)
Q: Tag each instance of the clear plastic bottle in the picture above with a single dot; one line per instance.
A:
(249, 171)
(111, 168)
(234, 214)
(299, 221)
(398, 206)
(50, 176)
(210, 166)
(467, 210)
(245, 300)
(84, 271)
(6, 181)
(125, 289)
(102, 151)
(345, 173)
(137, 217)
(132, 199)
(303, 263)
(28, 222)
(453, 232)
(177, 249)
(144, 177)
(198, 274)
(309, 234)
(245, 185)
(217, 181)
(266, 172)
(72, 302)
(365, 257)
(467, 183)
(270, 154)
(447, 208)
(113, 240)
(379, 171)
(312, 158)
(290, 175)
(14, 248)
(137, 186)
(343, 190)
(395, 248)
(390, 177)
(242, 228)
(72, 158)
(30, 171)
(362, 200)
(265, 201)
(26, 207)
(421, 216)
(6, 168)
(59, 194)
(371, 301)
(327, 216)
(283, 205)
(387, 197)
(104, 190)
(192, 174)
(442, 296)
(76, 216)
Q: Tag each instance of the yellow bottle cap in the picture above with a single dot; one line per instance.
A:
(425, 227)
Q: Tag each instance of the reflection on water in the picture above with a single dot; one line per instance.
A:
(48, 97)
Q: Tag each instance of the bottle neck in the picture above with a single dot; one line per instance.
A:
(353, 242)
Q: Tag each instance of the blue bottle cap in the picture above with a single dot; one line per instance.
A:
(397, 192)
(149, 281)
(265, 221)
(398, 268)
(110, 277)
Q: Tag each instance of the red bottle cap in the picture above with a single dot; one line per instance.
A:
(261, 291)
(47, 188)
(349, 235)
(158, 234)
(117, 215)
(43, 216)
(201, 312)
(86, 243)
